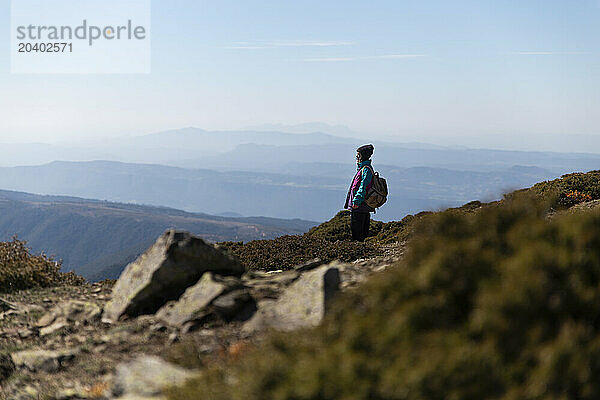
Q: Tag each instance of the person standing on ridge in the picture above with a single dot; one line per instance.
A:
(360, 218)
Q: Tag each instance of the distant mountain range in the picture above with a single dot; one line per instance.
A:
(312, 191)
(180, 147)
(270, 151)
(272, 158)
(97, 238)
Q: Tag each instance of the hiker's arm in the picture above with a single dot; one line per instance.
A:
(359, 197)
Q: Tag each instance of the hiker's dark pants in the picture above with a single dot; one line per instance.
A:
(359, 225)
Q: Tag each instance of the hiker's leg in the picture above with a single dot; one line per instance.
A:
(356, 225)
(366, 225)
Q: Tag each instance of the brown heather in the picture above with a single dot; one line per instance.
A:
(19, 269)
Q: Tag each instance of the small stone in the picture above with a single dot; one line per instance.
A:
(147, 376)
(274, 272)
(96, 290)
(25, 333)
(48, 330)
(157, 328)
(99, 349)
(46, 300)
(72, 312)
(42, 360)
(7, 313)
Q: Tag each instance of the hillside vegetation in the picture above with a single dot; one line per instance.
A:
(492, 301)
(19, 269)
(570, 189)
(327, 242)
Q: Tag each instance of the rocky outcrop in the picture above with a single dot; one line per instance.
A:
(146, 377)
(175, 262)
(214, 295)
(302, 304)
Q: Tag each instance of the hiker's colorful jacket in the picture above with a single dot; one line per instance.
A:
(360, 186)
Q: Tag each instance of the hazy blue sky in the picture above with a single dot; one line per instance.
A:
(422, 70)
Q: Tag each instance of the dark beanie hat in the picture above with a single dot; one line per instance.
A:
(365, 151)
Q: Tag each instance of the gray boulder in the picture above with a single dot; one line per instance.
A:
(302, 304)
(212, 295)
(175, 262)
(146, 376)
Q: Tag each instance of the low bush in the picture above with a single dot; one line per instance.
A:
(19, 269)
(332, 240)
(397, 231)
(501, 303)
(288, 251)
(338, 228)
(570, 189)
(401, 231)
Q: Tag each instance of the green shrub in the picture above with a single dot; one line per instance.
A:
(19, 269)
(570, 189)
(501, 303)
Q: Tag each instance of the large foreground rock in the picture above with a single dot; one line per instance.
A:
(215, 295)
(175, 262)
(302, 304)
(146, 377)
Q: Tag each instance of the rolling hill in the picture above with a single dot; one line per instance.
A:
(91, 235)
